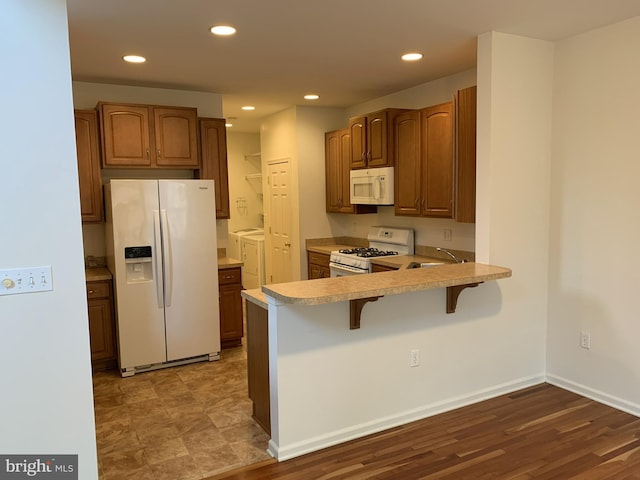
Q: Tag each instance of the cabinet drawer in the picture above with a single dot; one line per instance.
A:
(319, 259)
(97, 290)
(229, 275)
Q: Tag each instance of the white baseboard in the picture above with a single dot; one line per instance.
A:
(598, 396)
(285, 452)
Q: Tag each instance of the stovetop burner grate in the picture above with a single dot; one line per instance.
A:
(367, 252)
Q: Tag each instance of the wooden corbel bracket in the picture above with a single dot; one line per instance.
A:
(454, 292)
(355, 309)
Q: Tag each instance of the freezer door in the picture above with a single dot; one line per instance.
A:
(190, 259)
(132, 227)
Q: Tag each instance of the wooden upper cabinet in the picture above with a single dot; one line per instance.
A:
(337, 148)
(86, 124)
(213, 161)
(372, 139)
(358, 135)
(148, 136)
(408, 178)
(337, 153)
(465, 102)
(437, 161)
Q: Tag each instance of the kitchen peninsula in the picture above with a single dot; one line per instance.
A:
(331, 381)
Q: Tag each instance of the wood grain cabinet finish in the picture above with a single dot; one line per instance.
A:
(213, 160)
(317, 265)
(88, 153)
(148, 136)
(337, 149)
(375, 268)
(372, 142)
(424, 177)
(258, 364)
(408, 170)
(465, 103)
(231, 325)
(102, 330)
(437, 160)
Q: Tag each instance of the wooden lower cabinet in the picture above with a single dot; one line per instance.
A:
(381, 268)
(229, 290)
(317, 265)
(258, 364)
(102, 328)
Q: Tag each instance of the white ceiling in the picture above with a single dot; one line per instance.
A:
(347, 51)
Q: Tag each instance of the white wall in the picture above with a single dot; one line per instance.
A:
(595, 230)
(46, 405)
(245, 194)
(87, 95)
(278, 141)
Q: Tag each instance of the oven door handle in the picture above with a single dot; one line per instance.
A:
(346, 268)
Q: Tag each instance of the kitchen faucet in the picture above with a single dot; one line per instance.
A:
(448, 252)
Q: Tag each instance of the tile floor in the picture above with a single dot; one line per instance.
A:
(180, 423)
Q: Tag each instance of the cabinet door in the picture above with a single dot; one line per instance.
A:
(125, 136)
(86, 123)
(408, 180)
(317, 265)
(230, 314)
(333, 173)
(358, 132)
(101, 332)
(466, 155)
(377, 140)
(213, 161)
(437, 160)
(176, 143)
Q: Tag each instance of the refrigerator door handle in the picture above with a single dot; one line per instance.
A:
(157, 235)
(166, 258)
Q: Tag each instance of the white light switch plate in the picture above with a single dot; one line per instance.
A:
(25, 280)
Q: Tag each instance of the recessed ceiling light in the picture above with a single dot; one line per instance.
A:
(311, 96)
(134, 59)
(248, 107)
(223, 30)
(228, 125)
(411, 57)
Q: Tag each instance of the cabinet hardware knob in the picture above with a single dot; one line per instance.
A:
(287, 244)
(147, 153)
(159, 154)
(91, 291)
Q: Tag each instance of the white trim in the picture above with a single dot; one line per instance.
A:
(596, 395)
(287, 452)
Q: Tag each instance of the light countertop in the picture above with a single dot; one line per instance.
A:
(331, 290)
(228, 262)
(96, 274)
(255, 296)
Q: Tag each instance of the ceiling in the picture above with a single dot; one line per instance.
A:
(346, 51)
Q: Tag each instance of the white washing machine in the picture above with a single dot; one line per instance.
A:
(253, 275)
(234, 249)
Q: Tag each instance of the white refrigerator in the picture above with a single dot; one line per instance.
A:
(161, 247)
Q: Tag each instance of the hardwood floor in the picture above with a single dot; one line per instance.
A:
(542, 432)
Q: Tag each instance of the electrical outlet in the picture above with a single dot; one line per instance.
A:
(585, 340)
(414, 357)
(447, 234)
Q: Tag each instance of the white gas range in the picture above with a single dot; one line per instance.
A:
(383, 241)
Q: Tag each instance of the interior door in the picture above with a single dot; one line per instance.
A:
(280, 215)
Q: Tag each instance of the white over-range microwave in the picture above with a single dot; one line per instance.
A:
(372, 186)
